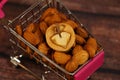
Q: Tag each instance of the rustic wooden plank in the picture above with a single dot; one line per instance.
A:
(110, 7)
(9, 11)
(105, 76)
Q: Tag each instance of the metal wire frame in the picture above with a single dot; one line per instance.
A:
(33, 14)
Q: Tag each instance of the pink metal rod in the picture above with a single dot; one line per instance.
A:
(1, 6)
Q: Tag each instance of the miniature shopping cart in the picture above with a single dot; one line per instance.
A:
(33, 14)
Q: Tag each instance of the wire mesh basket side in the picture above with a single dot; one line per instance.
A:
(33, 15)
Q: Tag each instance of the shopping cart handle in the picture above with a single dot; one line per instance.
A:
(1, 6)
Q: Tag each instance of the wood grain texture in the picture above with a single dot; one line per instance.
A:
(104, 27)
(109, 7)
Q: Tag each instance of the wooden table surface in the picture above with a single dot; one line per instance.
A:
(104, 27)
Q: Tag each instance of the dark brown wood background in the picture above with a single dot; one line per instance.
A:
(102, 18)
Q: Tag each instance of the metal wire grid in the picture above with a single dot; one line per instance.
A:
(33, 15)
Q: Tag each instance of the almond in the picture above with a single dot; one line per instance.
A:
(32, 38)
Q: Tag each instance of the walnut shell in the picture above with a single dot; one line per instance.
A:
(62, 41)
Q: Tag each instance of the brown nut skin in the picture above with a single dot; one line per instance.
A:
(82, 32)
(55, 18)
(76, 49)
(63, 17)
(39, 35)
(90, 50)
(43, 27)
(19, 30)
(48, 12)
(61, 58)
(72, 23)
(31, 27)
(77, 59)
(91, 46)
(71, 66)
(80, 40)
(52, 16)
(80, 57)
(43, 47)
(32, 34)
(92, 41)
(32, 38)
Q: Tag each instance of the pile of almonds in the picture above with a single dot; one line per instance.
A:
(59, 38)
